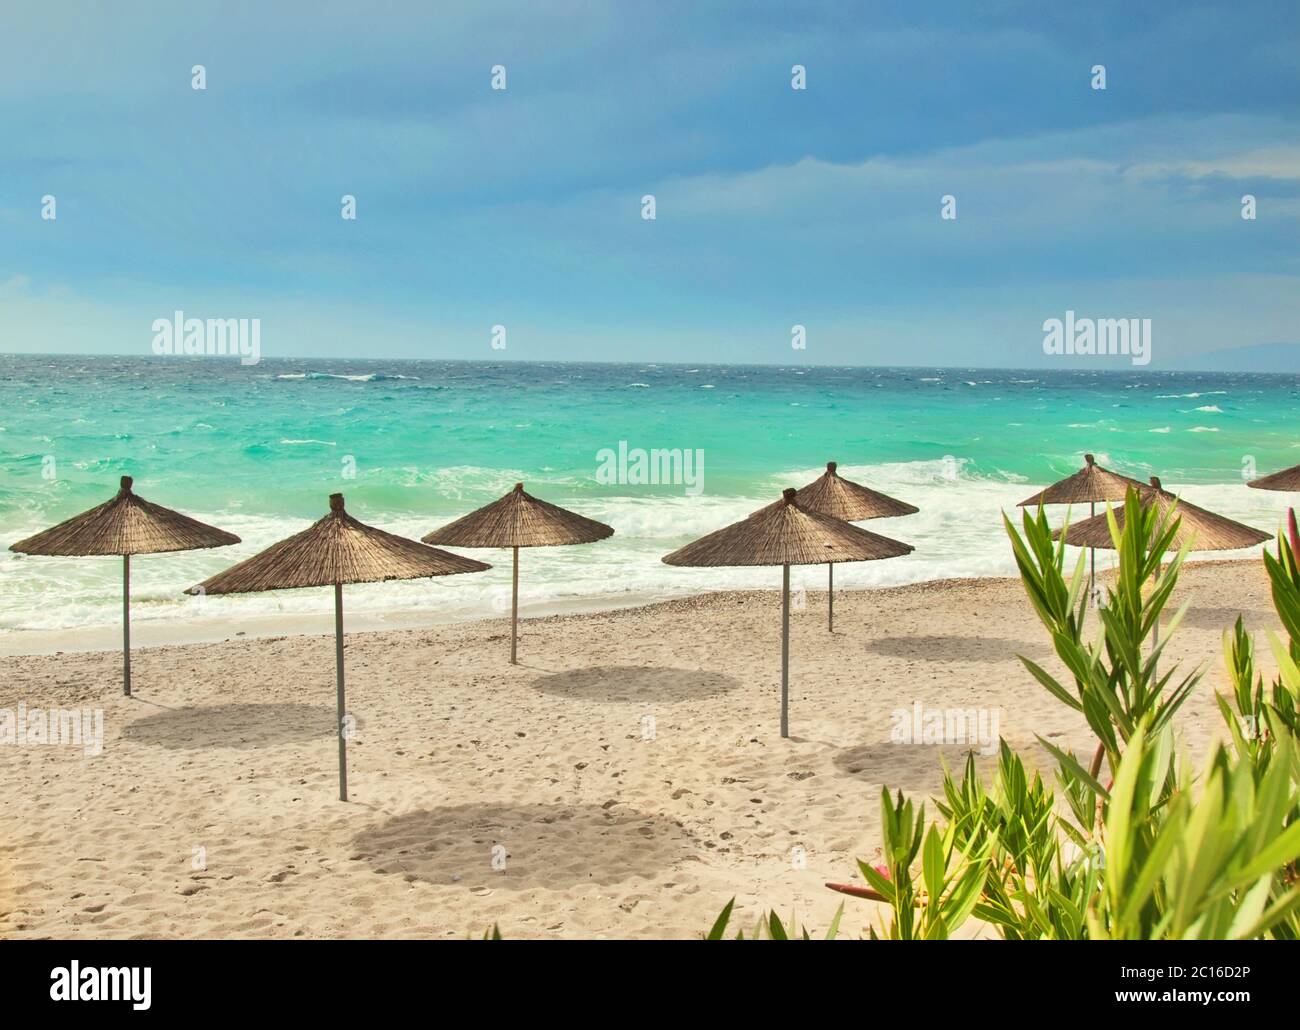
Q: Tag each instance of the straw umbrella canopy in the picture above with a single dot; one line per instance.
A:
(336, 550)
(125, 525)
(1203, 530)
(1090, 484)
(786, 534)
(1286, 481)
(830, 494)
(519, 520)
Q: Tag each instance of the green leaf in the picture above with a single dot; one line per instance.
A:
(1280, 909)
(1282, 849)
(1068, 761)
(882, 885)
(1118, 819)
(1049, 681)
(933, 864)
(834, 929)
(720, 924)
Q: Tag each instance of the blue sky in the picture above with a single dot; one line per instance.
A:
(775, 207)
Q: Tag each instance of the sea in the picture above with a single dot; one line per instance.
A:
(257, 449)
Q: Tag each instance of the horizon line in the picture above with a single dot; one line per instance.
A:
(1114, 369)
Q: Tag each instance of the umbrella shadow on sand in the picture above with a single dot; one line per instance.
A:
(1225, 618)
(956, 648)
(243, 727)
(536, 845)
(634, 684)
(908, 767)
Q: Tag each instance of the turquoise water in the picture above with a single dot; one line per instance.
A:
(257, 449)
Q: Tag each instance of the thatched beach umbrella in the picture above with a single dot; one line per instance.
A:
(1090, 484)
(843, 499)
(336, 550)
(1286, 481)
(518, 520)
(1205, 530)
(786, 534)
(125, 525)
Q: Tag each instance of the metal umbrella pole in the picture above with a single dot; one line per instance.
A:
(126, 625)
(514, 609)
(785, 650)
(338, 666)
(1092, 558)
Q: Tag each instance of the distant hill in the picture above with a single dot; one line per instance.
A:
(1259, 357)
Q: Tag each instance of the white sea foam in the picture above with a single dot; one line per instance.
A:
(457, 481)
(957, 533)
(369, 377)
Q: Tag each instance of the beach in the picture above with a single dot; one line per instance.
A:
(626, 779)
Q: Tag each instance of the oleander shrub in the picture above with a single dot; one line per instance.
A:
(1126, 843)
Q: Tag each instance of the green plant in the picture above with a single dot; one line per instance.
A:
(952, 872)
(1197, 865)
(1030, 890)
(1148, 851)
(769, 927)
(1116, 684)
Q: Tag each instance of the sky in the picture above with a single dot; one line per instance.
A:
(774, 207)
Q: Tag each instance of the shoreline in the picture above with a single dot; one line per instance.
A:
(147, 635)
(150, 634)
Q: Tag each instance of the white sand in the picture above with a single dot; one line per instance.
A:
(228, 747)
